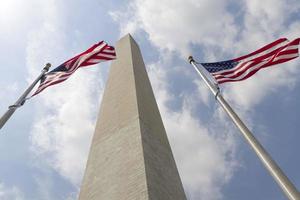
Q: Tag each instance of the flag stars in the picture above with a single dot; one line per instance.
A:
(219, 66)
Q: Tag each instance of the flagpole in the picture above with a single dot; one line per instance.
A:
(22, 98)
(286, 185)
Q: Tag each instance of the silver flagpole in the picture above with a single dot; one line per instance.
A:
(22, 99)
(286, 185)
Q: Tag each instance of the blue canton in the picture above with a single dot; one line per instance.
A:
(60, 68)
(219, 66)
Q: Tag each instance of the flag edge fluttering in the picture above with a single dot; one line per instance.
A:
(97, 53)
(256, 61)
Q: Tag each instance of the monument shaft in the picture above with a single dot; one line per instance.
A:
(130, 156)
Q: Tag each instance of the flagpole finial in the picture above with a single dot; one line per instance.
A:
(47, 67)
(191, 59)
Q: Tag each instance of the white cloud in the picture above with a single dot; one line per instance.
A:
(44, 187)
(249, 93)
(64, 125)
(47, 39)
(10, 193)
(177, 24)
(11, 14)
(203, 93)
(202, 157)
(268, 17)
(64, 117)
(205, 158)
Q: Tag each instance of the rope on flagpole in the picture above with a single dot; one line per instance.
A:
(23, 98)
(286, 185)
(20, 104)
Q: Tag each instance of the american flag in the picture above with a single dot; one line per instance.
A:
(241, 68)
(97, 53)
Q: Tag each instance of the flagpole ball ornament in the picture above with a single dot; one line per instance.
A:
(47, 67)
(191, 59)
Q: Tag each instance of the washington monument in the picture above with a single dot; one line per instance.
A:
(130, 157)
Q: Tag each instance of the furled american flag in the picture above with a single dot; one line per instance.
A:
(241, 68)
(97, 53)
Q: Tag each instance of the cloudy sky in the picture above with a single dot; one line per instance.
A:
(44, 146)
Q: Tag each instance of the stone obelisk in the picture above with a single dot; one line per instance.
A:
(130, 156)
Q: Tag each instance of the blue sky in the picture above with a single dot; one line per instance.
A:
(44, 146)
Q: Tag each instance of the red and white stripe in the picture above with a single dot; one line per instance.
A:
(97, 53)
(274, 53)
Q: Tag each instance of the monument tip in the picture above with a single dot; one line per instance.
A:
(128, 35)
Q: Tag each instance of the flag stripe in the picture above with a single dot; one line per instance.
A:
(289, 56)
(243, 74)
(41, 88)
(268, 47)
